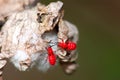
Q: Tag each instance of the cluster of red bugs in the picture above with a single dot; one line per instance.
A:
(68, 45)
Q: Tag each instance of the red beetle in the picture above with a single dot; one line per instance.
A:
(52, 59)
(49, 50)
(51, 56)
(62, 45)
(69, 45)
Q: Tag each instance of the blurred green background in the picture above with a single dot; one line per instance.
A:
(98, 22)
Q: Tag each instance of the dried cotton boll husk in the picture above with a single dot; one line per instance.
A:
(22, 37)
(26, 35)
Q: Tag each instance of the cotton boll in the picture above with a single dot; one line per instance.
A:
(19, 59)
(25, 40)
(40, 60)
(43, 63)
(51, 36)
(34, 59)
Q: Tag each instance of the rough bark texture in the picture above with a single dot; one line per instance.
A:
(26, 35)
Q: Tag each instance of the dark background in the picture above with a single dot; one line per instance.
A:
(98, 22)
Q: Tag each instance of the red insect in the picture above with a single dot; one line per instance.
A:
(62, 45)
(51, 56)
(52, 59)
(69, 45)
